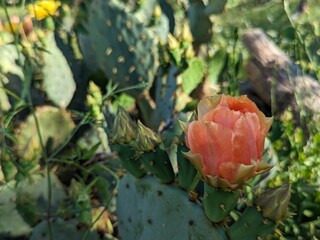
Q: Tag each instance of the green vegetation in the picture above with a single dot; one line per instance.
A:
(69, 73)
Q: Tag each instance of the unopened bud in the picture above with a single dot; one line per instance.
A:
(173, 42)
(189, 52)
(274, 202)
(124, 129)
(186, 35)
(157, 12)
(147, 139)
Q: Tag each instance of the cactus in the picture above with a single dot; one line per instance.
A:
(11, 222)
(165, 88)
(62, 230)
(55, 127)
(155, 203)
(160, 211)
(199, 18)
(32, 197)
(200, 23)
(124, 48)
(215, 6)
(251, 226)
(58, 80)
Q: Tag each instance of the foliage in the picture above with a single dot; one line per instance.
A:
(66, 67)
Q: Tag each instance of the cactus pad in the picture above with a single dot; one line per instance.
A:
(55, 125)
(62, 230)
(57, 76)
(170, 216)
(11, 222)
(123, 47)
(32, 196)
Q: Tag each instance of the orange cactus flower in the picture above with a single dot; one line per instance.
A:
(226, 141)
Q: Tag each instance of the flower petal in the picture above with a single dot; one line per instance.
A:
(213, 142)
(224, 117)
(242, 104)
(196, 160)
(265, 125)
(246, 134)
(236, 173)
(207, 104)
(220, 182)
(263, 167)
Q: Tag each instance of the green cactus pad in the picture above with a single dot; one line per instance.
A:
(55, 127)
(124, 48)
(8, 58)
(159, 164)
(193, 75)
(128, 160)
(215, 6)
(187, 172)
(62, 230)
(32, 197)
(251, 226)
(11, 222)
(57, 76)
(200, 23)
(158, 211)
(218, 203)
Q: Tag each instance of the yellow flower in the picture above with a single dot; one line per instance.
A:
(43, 8)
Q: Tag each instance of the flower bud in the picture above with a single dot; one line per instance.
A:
(186, 33)
(124, 129)
(147, 139)
(173, 42)
(157, 12)
(189, 53)
(274, 202)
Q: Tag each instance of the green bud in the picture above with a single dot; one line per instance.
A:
(274, 202)
(124, 129)
(147, 140)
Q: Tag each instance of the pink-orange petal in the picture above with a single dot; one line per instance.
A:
(224, 117)
(196, 160)
(246, 133)
(207, 104)
(212, 141)
(242, 104)
(237, 173)
(220, 182)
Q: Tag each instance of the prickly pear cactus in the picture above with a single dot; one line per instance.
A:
(200, 23)
(124, 48)
(57, 76)
(11, 222)
(32, 196)
(62, 230)
(158, 211)
(55, 127)
(199, 18)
